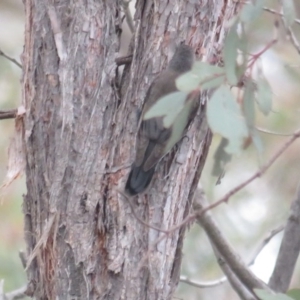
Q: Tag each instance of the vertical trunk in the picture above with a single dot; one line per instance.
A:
(83, 240)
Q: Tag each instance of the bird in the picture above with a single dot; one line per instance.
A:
(154, 138)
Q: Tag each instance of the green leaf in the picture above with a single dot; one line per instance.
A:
(202, 75)
(257, 142)
(252, 12)
(248, 102)
(266, 295)
(249, 112)
(221, 158)
(212, 83)
(225, 117)
(294, 293)
(289, 12)
(230, 53)
(168, 107)
(264, 95)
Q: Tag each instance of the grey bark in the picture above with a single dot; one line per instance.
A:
(82, 240)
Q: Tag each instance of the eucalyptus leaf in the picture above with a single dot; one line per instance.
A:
(221, 158)
(248, 102)
(257, 142)
(225, 117)
(230, 53)
(251, 12)
(202, 75)
(212, 83)
(264, 95)
(169, 107)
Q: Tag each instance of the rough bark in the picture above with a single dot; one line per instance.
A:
(80, 126)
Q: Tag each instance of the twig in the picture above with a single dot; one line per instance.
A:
(273, 11)
(239, 268)
(263, 130)
(128, 15)
(264, 243)
(288, 28)
(293, 38)
(289, 250)
(204, 284)
(125, 60)
(8, 114)
(11, 59)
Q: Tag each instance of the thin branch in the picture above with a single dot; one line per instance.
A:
(290, 33)
(273, 11)
(264, 243)
(236, 264)
(11, 59)
(128, 15)
(263, 130)
(204, 284)
(289, 250)
(293, 38)
(8, 114)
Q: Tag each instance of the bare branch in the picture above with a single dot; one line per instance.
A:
(289, 31)
(204, 284)
(289, 250)
(224, 248)
(11, 59)
(293, 38)
(125, 60)
(264, 243)
(263, 130)
(8, 114)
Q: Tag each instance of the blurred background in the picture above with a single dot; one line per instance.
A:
(248, 217)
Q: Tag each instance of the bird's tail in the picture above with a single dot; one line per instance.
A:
(138, 180)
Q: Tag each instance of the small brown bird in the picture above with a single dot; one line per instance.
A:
(155, 139)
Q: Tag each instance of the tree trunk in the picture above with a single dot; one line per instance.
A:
(83, 240)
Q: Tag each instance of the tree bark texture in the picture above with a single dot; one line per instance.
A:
(82, 239)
